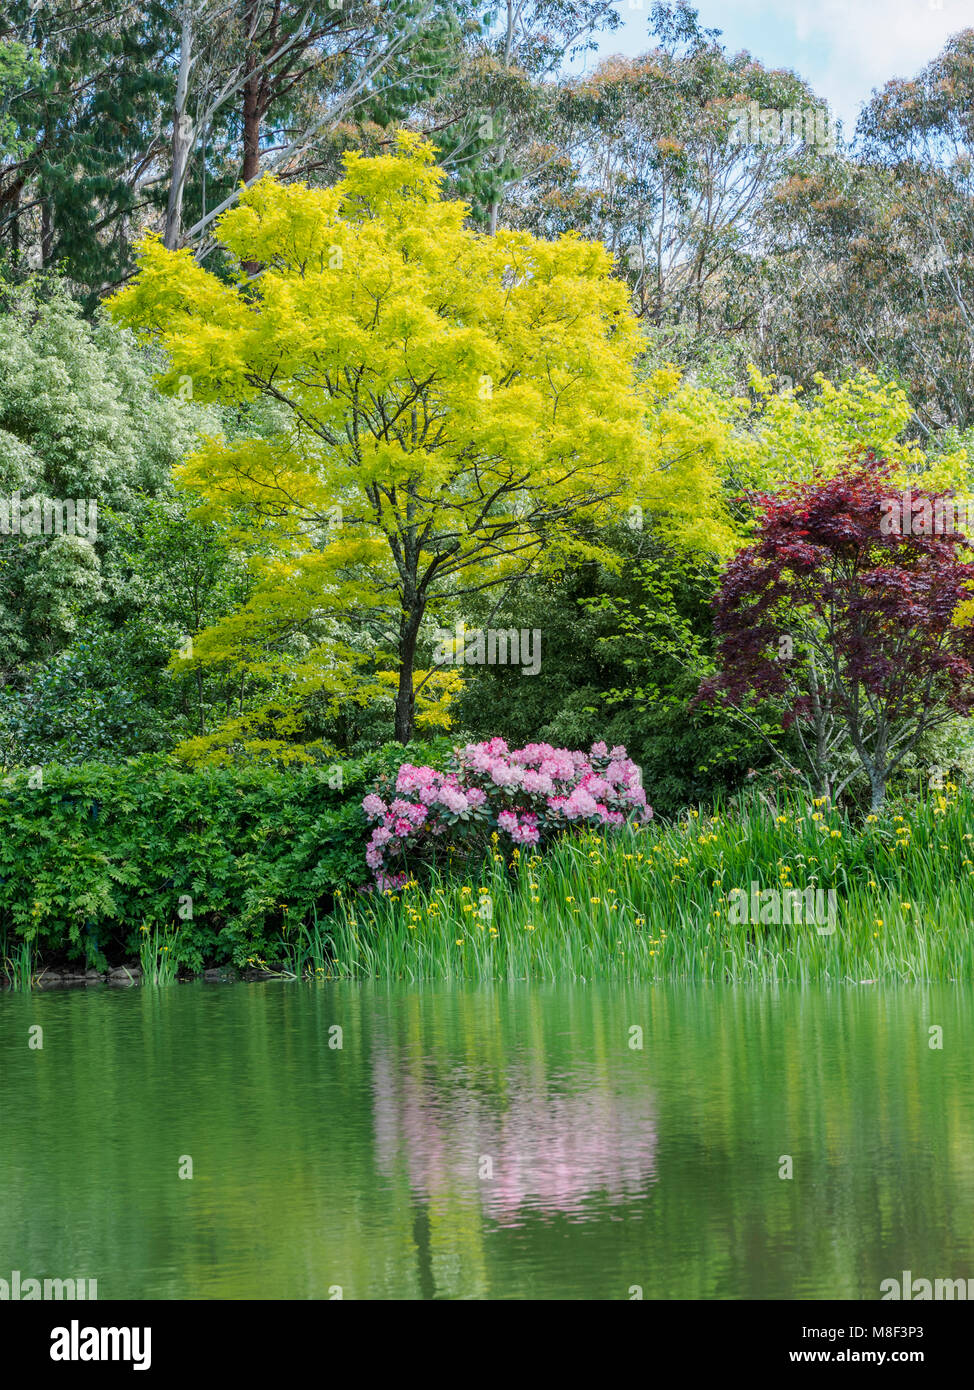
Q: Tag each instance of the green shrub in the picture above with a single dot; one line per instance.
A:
(96, 853)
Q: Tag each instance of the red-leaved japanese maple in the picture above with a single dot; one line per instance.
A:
(846, 624)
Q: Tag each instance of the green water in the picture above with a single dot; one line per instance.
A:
(505, 1143)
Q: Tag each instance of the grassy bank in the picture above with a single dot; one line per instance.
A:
(660, 903)
(687, 900)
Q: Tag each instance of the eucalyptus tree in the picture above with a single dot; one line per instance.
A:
(672, 160)
(874, 263)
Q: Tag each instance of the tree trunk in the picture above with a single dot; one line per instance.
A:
(182, 133)
(251, 123)
(251, 97)
(405, 706)
(47, 233)
(405, 698)
(879, 772)
(11, 197)
(251, 114)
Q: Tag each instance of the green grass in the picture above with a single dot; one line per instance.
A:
(157, 955)
(17, 961)
(654, 904)
(304, 948)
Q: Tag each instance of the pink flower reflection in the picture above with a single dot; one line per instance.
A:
(568, 1151)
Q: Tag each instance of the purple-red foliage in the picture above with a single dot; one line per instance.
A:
(874, 606)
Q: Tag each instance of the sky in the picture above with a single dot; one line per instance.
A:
(844, 48)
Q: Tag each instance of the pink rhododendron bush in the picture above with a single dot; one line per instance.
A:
(525, 795)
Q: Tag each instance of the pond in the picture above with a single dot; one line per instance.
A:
(521, 1142)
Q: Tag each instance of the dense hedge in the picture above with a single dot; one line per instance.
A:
(96, 852)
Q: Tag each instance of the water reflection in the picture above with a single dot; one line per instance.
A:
(364, 1167)
(524, 1145)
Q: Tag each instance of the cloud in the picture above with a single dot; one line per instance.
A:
(867, 42)
(844, 48)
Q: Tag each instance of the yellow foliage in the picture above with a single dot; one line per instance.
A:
(456, 404)
(456, 407)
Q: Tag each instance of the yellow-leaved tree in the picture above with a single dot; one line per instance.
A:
(454, 409)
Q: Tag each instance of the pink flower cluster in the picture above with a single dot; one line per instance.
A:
(524, 793)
